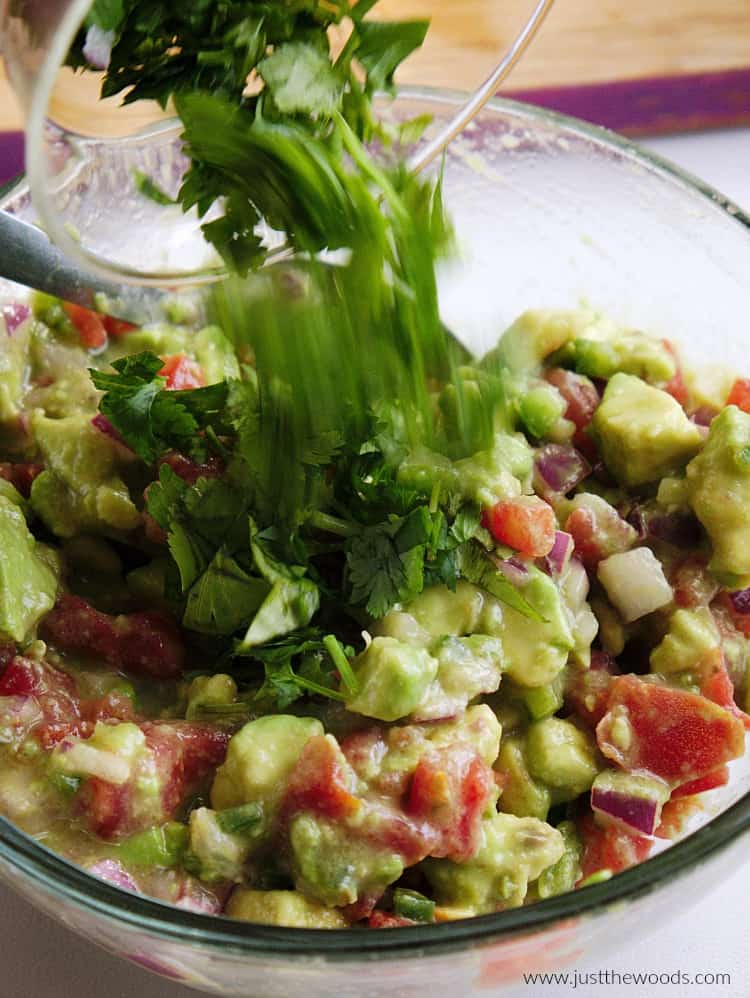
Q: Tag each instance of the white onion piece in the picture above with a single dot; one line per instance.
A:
(635, 583)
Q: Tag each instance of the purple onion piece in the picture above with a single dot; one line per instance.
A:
(514, 571)
(741, 600)
(104, 426)
(560, 467)
(704, 415)
(562, 550)
(638, 813)
(637, 519)
(114, 873)
(602, 661)
(14, 315)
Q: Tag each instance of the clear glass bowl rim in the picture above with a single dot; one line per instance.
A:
(59, 876)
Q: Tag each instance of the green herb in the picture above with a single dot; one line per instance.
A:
(413, 905)
(245, 819)
(146, 186)
(162, 845)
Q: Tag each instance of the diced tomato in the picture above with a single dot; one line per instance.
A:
(117, 327)
(144, 644)
(89, 324)
(54, 693)
(526, 523)
(609, 847)
(320, 783)
(676, 386)
(578, 391)
(717, 686)
(674, 734)
(177, 757)
(739, 394)
(450, 790)
(21, 475)
(718, 778)
(385, 920)
(113, 706)
(190, 471)
(728, 619)
(181, 372)
(675, 816)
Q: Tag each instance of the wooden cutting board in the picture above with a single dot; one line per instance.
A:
(688, 60)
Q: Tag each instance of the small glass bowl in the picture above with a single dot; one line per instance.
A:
(548, 212)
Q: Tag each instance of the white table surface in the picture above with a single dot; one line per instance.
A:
(43, 960)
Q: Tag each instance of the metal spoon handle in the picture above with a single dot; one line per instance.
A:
(31, 259)
(424, 156)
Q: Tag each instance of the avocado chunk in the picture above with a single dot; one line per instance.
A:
(335, 869)
(642, 432)
(14, 362)
(393, 678)
(28, 586)
(466, 667)
(562, 756)
(719, 493)
(260, 757)
(513, 852)
(537, 333)
(692, 634)
(80, 489)
(566, 872)
(215, 854)
(627, 351)
(500, 472)
(536, 652)
(522, 795)
(289, 908)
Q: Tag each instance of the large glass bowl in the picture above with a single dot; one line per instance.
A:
(548, 211)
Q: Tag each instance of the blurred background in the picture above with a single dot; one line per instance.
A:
(638, 66)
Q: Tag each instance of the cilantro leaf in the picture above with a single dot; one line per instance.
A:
(294, 666)
(224, 598)
(477, 567)
(301, 79)
(383, 46)
(150, 418)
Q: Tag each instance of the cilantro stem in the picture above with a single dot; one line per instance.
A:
(435, 497)
(333, 524)
(313, 687)
(336, 650)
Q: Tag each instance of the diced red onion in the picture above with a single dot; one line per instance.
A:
(114, 873)
(514, 571)
(97, 48)
(560, 555)
(639, 813)
(104, 426)
(637, 519)
(560, 467)
(741, 600)
(14, 315)
(704, 415)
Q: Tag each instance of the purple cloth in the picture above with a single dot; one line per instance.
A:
(11, 155)
(655, 105)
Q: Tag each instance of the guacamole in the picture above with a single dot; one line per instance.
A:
(445, 681)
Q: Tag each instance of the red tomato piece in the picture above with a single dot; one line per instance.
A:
(674, 734)
(450, 790)
(717, 686)
(181, 372)
(320, 783)
(54, 693)
(144, 644)
(609, 847)
(190, 471)
(693, 584)
(106, 808)
(89, 324)
(739, 394)
(718, 778)
(587, 694)
(578, 391)
(526, 523)
(117, 327)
